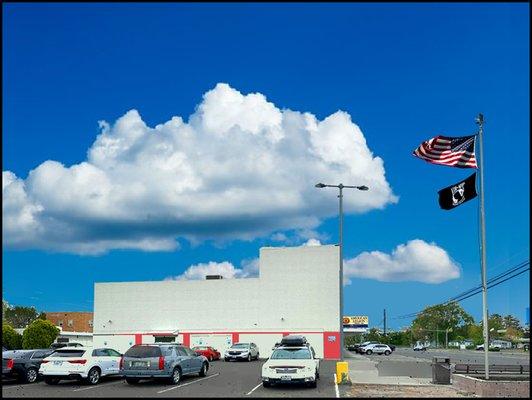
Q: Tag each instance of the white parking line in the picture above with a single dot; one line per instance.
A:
(336, 387)
(188, 383)
(252, 390)
(99, 385)
(15, 386)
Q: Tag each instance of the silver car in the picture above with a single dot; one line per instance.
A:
(166, 361)
(242, 351)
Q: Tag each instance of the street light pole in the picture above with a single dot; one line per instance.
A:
(340, 243)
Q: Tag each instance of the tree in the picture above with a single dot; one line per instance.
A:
(39, 334)
(475, 333)
(20, 316)
(511, 322)
(451, 317)
(11, 339)
(373, 335)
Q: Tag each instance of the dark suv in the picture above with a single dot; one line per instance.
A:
(23, 364)
(167, 361)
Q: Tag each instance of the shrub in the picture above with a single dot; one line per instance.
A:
(11, 339)
(39, 334)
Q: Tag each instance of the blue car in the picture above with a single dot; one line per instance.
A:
(161, 361)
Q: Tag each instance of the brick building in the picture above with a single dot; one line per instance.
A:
(71, 321)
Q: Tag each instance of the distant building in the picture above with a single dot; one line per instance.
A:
(71, 321)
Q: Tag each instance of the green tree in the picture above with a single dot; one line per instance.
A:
(20, 316)
(39, 334)
(11, 339)
(451, 317)
(510, 321)
(475, 333)
(373, 335)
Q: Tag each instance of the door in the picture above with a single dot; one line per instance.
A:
(183, 359)
(100, 358)
(195, 360)
(114, 361)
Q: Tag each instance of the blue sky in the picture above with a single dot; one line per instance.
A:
(403, 72)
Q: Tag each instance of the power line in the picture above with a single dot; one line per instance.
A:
(478, 289)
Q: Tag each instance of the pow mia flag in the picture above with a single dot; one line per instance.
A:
(454, 195)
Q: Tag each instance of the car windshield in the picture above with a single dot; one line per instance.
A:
(240, 346)
(200, 348)
(67, 353)
(143, 352)
(291, 354)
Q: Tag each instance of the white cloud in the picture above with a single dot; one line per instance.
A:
(312, 242)
(248, 269)
(416, 260)
(239, 168)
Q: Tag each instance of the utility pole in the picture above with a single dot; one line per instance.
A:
(385, 322)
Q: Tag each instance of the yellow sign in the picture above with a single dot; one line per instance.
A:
(356, 320)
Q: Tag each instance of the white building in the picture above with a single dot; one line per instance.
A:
(297, 292)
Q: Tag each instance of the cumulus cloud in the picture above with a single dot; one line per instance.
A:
(239, 168)
(312, 242)
(248, 269)
(416, 260)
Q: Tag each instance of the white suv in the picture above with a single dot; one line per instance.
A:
(377, 349)
(80, 363)
(291, 364)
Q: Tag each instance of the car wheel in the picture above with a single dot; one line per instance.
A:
(266, 384)
(132, 381)
(31, 375)
(317, 374)
(368, 352)
(210, 358)
(51, 381)
(204, 369)
(176, 376)
(226, 359)
(93, 377)
(314, 383)
(387, 352)
(249, 357)
(257, 357)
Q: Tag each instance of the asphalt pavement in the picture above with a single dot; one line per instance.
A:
(224, 379)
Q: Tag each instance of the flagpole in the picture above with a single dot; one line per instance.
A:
(480, 121)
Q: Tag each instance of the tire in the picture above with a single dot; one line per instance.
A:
(93, 377)
(210, 358)
(51, 381)
(132, 381)
(317, 374)
(204, 369)
(387, 352)
(31, 375)
(313, 384)
(256, 358)
(175, 378)
(249, 357)
(368, 352)
(266, 384)
(226, 359)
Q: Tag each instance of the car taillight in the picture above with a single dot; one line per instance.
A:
(77, 361)
(121, 363)
(10, 363)
(161, 362)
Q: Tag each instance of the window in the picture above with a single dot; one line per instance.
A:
(164, 339)
(90, 323)
(181, 351)
(189, 352)
(100, 353)
(60, 322)
(142, 351)
(39, 354)
(113, 353)
(68, 353)
(167, 351)
(70, 322)
(291, 354)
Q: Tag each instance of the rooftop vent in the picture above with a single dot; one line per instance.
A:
(214, 277)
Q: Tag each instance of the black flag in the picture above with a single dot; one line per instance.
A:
(454, 195)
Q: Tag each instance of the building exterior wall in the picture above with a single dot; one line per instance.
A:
(72, 321)
(296, 292)
(85, 338)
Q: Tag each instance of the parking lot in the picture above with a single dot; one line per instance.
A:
(224, 379)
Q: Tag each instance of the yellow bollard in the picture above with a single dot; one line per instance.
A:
(342, 373)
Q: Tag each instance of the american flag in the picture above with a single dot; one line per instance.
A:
(452, 151)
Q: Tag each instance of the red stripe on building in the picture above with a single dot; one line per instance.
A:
(186, 339)
(235, 337)
(138, 339)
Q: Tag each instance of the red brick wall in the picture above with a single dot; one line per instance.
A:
(80, 321)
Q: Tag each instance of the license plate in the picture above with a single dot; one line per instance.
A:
(58, 362)
(140, 364)
(286, 378)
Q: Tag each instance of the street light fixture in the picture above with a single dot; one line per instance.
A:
(341, 217)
